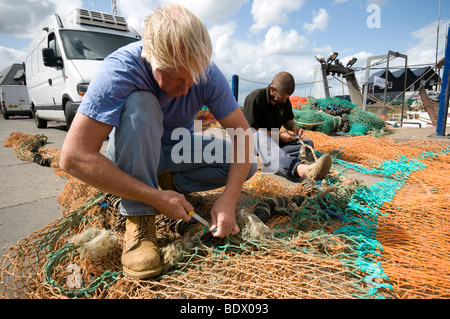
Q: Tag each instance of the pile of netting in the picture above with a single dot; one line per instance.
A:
(334, 115)
(345, 240)
(29, 148)
(298, 102)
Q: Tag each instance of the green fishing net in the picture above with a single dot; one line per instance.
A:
(334, 115)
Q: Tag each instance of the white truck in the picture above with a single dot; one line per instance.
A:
(15, 101)
(64, 57)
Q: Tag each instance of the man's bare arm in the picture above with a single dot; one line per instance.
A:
(292, 133)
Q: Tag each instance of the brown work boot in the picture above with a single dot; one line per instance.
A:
(320, 169)
(165, 181)
(141, 258)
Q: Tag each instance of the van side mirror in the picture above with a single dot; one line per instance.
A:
(50, 59)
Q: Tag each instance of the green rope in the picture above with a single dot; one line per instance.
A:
(107, 279)
(67, 222)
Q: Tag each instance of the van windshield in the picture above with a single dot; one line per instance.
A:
(86, 45)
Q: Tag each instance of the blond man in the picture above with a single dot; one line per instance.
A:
(141, 95)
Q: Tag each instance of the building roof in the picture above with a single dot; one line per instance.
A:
(399, 73)
(381, 74)
(421, 71)
(12, 75)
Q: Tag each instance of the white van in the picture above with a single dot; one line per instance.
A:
(15, 101)
(64, 57)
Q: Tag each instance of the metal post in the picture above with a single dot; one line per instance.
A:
(437, 38)
(235, 86)
(404, 87)
(445, 88)
(366, 84)
(354, 89)
(386, 79)
(325, 80)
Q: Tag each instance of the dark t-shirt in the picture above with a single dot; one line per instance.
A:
(260, 113)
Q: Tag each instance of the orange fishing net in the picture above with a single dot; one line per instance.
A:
(414, 229)
(415, 233)
(300, 253)
(297, 102)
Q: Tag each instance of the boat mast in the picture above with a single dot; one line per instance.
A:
(114, 7)
(438, 71)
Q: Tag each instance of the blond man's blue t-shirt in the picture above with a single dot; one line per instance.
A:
(125, 71)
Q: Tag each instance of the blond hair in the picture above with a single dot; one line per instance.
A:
(174, 37)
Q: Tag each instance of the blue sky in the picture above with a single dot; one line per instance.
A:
(258, 38)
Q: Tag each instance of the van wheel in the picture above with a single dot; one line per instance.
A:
(69, 113)
(40, 123)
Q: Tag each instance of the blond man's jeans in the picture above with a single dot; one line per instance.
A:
(136, 148)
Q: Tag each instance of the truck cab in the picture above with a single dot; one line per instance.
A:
(64, 57)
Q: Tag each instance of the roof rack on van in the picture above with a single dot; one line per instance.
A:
(99, 19)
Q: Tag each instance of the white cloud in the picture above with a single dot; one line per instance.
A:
(320, 21)
(361, 56)
(378, 2)
(10, 56)
(225, 50)
(423, 50)
(269, 12)
(22, 18)
(212, 11)
(284, 43)
(135, 12)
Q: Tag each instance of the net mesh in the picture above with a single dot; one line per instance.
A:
(347, 240)
(333, 115)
